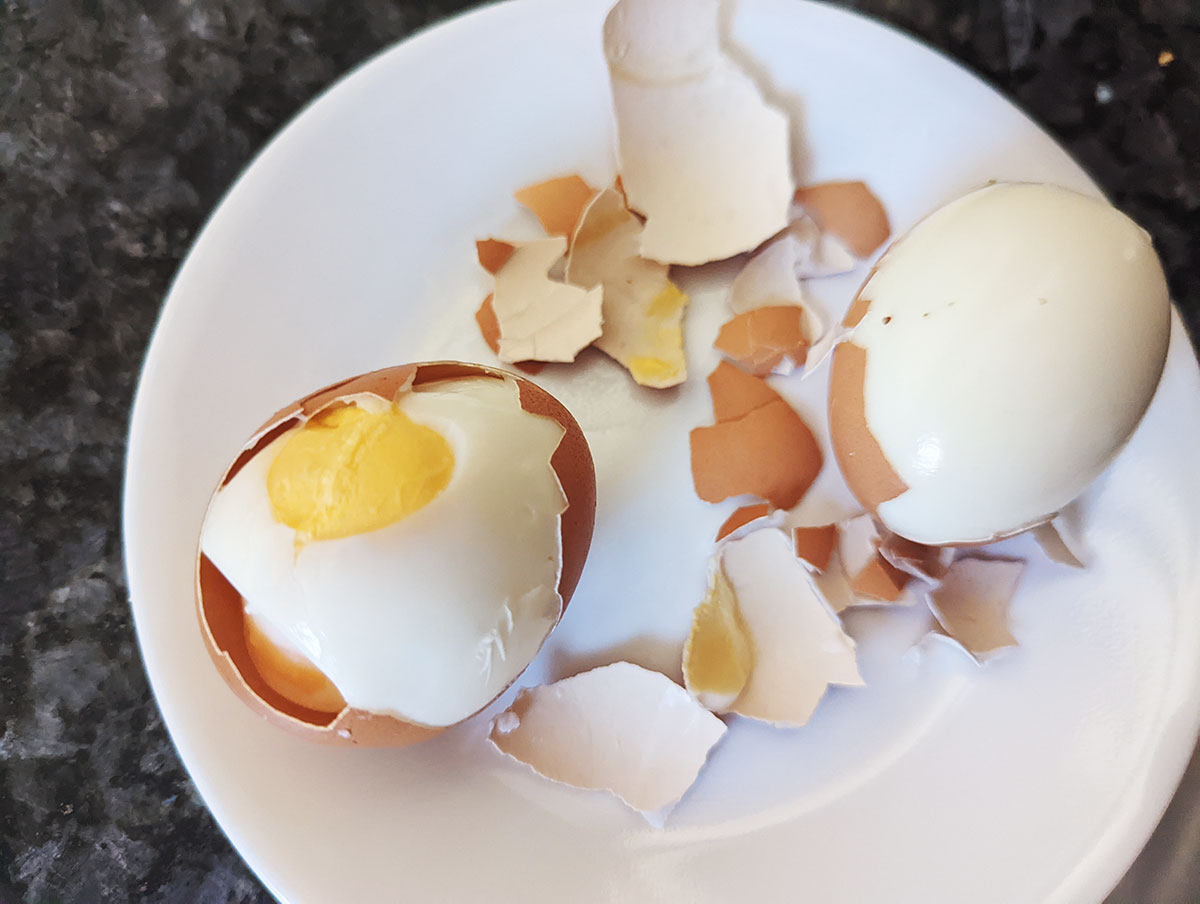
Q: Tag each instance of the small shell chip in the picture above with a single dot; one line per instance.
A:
(746, 514)
(557, 203)
(848, 210)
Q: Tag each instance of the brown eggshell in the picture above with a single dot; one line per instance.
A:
(815, 544)
(489, 328)
(850, 211)
(759, 445)
(557, 203)
(760, 339)
(220, 607)
(493, 254)
(743, 516)
(868, 473)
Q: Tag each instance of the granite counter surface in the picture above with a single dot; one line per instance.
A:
(120, 126)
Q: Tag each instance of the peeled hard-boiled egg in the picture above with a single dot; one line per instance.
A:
(1002, 353)
(387, 555)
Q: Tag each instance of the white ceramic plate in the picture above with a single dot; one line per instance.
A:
(348, 246)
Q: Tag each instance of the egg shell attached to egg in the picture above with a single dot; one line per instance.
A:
(1001, 353)
(221, 609)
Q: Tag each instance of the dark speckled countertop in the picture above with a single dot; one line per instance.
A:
(120, 126)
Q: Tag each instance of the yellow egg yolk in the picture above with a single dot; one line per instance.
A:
(349, 471)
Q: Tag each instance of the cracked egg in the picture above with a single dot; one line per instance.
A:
(387, 555)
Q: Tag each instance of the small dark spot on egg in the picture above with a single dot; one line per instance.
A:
(887, 320)
(1042, 301)
(926, 314)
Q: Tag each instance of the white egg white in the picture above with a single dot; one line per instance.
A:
(429, 618)
(1014, 339)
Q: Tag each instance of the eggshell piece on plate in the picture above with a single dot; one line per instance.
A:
(871, 576)
(703, 156)
(856, 573)
(767, 278)
(848, 210)
(815, 545)
(618, 728)
(489, 328)
(221, 609)
(926, 563)
(642, 308)
(741, 517)
(814, 253)
(759, 446)
(493, 254)
(766, 340)
(717, 657)
(736, 393)
(971, 603)
(557, 203)
(542, 319)
(799, 647)
(1060, 542)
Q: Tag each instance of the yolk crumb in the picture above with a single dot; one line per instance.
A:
(349, 471)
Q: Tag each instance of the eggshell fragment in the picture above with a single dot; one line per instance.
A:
(1061, 542)
(815, 253)
(557, 203)
(618, 728)
(702, 155)
(741, 517)
(542, 319)
(768, 278)
(857, 574)
(736, 393)
(717, 657)
(220, 607)
(867, 471)
(799, 646)
(971, 603)
(642, 308)
(927, 563)
(815, 545)
(489, 328)
(493, 254)
(848, 210)
(766, 340)
(759, 445)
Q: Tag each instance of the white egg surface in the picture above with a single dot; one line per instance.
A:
(430, 617)
(1010, 343)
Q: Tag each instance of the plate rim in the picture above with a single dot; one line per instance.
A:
(1098, 870)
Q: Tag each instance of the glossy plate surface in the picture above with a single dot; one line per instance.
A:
(348, 245)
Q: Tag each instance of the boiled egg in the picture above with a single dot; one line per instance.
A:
(387, 556)
(1001, 354)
